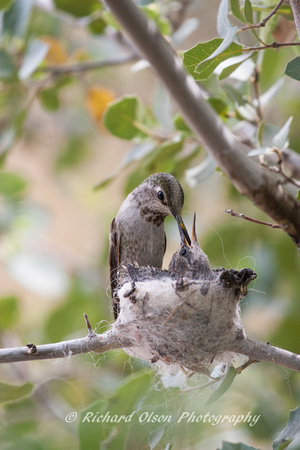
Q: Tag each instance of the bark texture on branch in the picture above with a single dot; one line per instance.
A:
(99, 343)
(247, 176)
(295, 5)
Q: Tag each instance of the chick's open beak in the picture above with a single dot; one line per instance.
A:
(194, 234)
(184, 235)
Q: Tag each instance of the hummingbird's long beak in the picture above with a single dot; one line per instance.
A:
(194, 235)
(183, 231)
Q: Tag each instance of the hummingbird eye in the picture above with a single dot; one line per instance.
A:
(184, 252)
(161, 195)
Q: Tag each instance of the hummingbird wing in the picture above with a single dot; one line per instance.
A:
(114, 262)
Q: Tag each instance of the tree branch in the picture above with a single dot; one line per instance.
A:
(98, 343)
(272, 45)
(84, 67)
(260, 222)
(260, 351)
(265, 20)
(247, 176)
(190, 326)
(295, 5)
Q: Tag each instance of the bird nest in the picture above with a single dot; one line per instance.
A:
(193, 323)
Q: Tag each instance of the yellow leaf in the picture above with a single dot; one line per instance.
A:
(97, 100)
(56, 53)
(80, 55)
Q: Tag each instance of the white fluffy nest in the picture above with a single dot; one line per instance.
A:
(187, 324)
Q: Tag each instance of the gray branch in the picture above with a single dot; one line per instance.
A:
(295, 5)
(248, 177)
(88, 66)
(98, 343)
(260, 351)
(193, 325)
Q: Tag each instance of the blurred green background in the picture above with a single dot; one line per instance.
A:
(54, 149)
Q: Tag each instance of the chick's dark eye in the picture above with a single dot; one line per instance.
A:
(161, 195)
(184, 252)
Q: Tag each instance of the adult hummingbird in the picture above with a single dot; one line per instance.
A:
(137, 232)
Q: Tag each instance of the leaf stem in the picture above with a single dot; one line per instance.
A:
(265, 20)
(272, 45)
(260, 222)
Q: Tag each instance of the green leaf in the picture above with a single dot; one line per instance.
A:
(259, 151)
(194, 59)
(291, 430)
(11, 184)
(7, 139)
(230, 69)
(10, 134)
(280, 140)
(4, 4)
(110, 19)
(219, 105)
(248, 11)
(137, 153)
(78, 8)
(223, 23)
(284, 10)
(7, 67)
(225, 385)
(230, 37)
(293, 68)
(298, 195)
(153, 12)
(180, 125)
(236, 10)
(35, 54)
(9, 312)
(234, 94)
(197, 174)
(57, 327)
(97, 26)
(15, 19)
(267, 96)
(162, 158)
(125, 402)
(73, 153)
(49, 98)
(239, 446)
(260, 133)
(122, 118)
(155, 436)
(10, 393)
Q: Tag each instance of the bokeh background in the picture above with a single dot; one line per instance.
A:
(54, 237)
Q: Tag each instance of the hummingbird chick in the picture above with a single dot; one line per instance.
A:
(137, 233)
(190, 261)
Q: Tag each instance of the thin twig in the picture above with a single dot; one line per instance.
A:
(90, 330)
(244, 366)
(265, 20)
(266, 46)
(260, 222)
(257, 94)
(279, 169)
(84, 67)
(65, 349)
